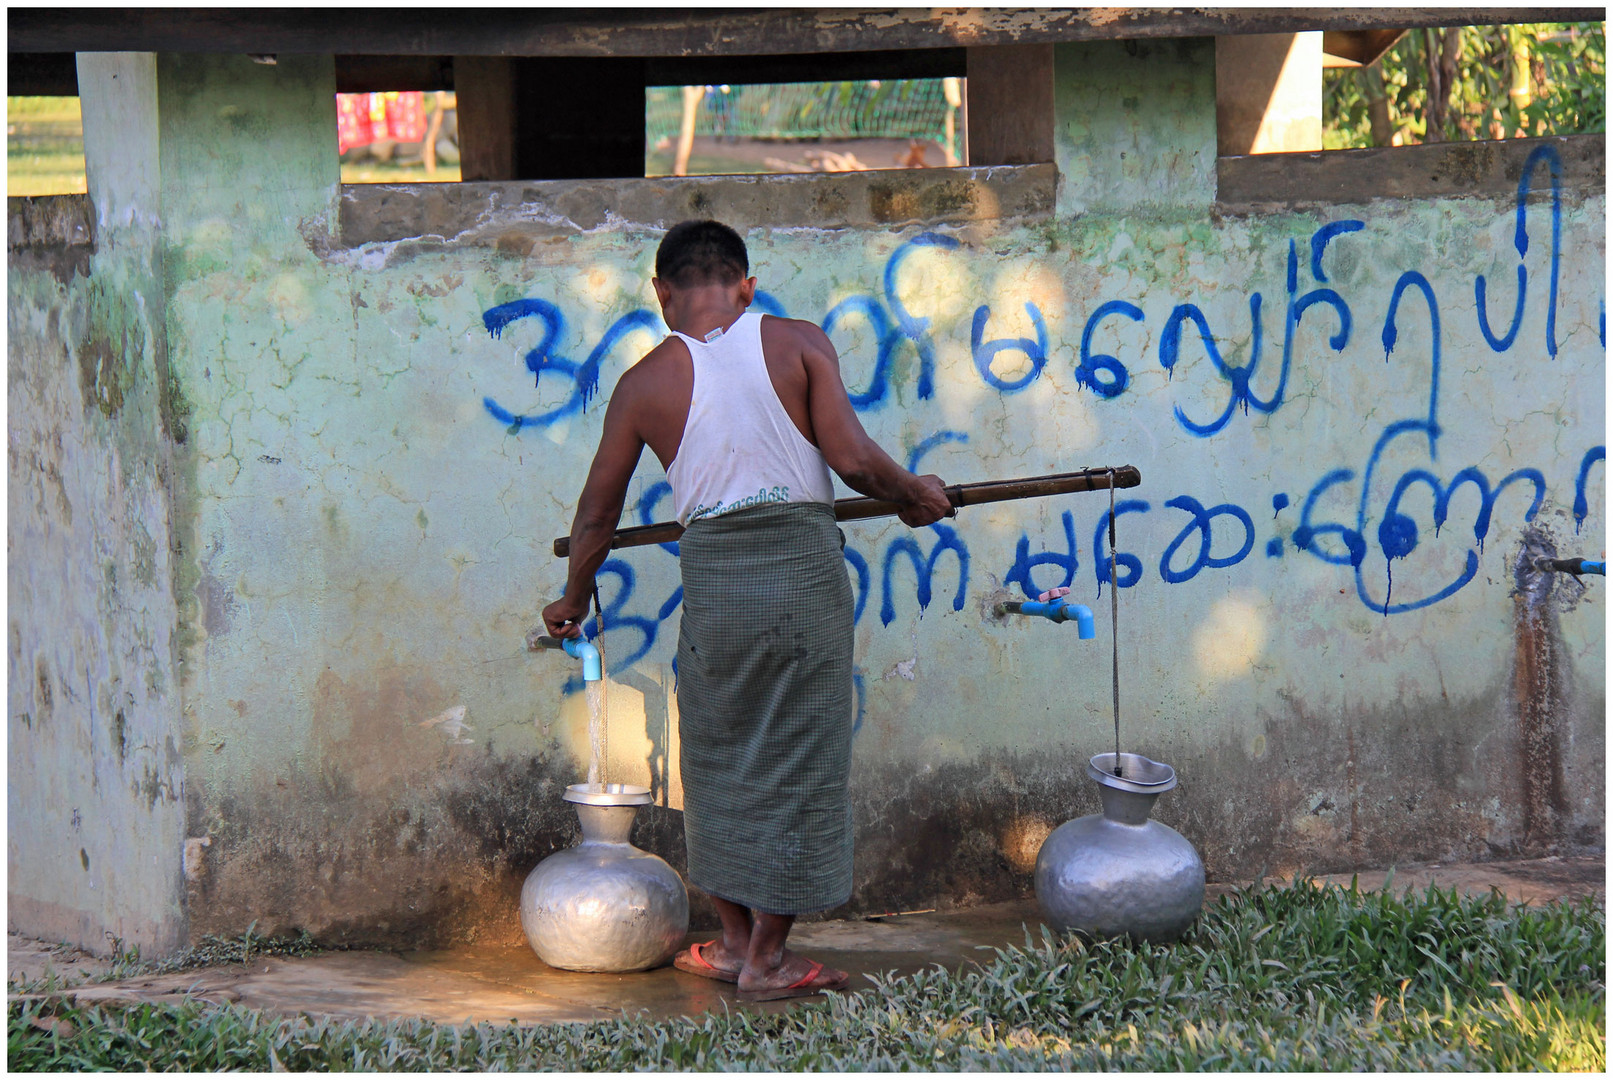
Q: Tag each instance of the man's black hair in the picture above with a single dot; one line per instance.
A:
(701, 253)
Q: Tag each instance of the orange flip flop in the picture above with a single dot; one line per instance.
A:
(691, 961)
(802, 987)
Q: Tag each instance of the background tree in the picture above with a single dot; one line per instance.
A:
(1471, 82)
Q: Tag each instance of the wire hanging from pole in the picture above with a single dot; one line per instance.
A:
(1114, 619)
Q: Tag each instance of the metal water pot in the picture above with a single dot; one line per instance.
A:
(604, 905)
(1118, 873)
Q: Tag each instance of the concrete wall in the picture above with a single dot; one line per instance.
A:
(391, 396)
(95, 786)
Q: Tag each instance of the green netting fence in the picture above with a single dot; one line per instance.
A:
(884, 108)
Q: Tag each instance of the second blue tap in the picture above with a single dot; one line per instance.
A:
(1060, 610)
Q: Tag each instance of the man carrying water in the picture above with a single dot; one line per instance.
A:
(748, 414)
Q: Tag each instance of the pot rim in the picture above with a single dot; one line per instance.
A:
(610, 795)
(1139, 774)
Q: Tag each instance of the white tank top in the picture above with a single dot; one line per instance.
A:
(740, 448)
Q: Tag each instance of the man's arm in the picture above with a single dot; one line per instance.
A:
(599, 509)
(857, 459)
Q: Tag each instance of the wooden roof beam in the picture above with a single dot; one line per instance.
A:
(1357, 48)
(690, 32)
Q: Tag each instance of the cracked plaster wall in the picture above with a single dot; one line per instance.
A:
(373, 479)
(95, 782)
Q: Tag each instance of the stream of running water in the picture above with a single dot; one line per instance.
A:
(595, 694)
(598, 730)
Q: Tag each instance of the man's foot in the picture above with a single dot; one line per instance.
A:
(709, 960)
(795, 977)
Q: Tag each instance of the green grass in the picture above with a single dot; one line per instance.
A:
(659, 163)
(44, 146)
(1295, 978)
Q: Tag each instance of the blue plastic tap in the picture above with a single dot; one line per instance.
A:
(592, 668)
(1060, 610)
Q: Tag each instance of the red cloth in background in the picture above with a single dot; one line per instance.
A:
(399, 115)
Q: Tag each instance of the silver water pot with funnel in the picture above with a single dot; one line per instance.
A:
(603, 905)
(1116, 872)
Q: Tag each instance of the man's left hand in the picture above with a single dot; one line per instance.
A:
(563, 618)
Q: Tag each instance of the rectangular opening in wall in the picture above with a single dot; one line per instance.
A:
(44, 146)
(805, 127)
(1463, 83)
(398, 137)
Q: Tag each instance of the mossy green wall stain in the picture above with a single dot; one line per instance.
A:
(111, 348)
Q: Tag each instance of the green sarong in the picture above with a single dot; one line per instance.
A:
(765, 707)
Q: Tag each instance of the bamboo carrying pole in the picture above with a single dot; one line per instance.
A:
(987, 491)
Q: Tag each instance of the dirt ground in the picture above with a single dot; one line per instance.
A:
(712, 157)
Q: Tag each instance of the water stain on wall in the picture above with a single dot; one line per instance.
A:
(1538, 690)
(44, 696)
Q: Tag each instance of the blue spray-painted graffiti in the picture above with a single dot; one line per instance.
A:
(646, 510)
(859, 566)
(615, 616)
(1024, 562)
(940, 438)
(541, 360)
(1241, 377)
(892, 332)
(1581, 503)
(924, 569)
(1128, 567)
(985, 352)
(1520, 240)
(1115, 376)
(924, 566)
(1306, 534)
(1398, 506)
(1275, 546)
(1201, 524)
(1398, 534)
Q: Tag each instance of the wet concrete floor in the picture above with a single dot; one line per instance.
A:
(504, 983)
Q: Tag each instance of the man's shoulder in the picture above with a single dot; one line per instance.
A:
(797, 331)
(650, 372)
(671, 345)
(670, 350)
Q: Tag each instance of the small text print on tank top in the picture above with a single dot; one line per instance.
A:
(775, 494)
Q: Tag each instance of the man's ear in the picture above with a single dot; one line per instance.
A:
(663, 291)
(747, 291)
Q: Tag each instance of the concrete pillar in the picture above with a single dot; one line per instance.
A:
(96, 784)
(484, 87)
(1134, 124)
(248, 145)
(118, 99)
(1268, 93)
(1010, 96)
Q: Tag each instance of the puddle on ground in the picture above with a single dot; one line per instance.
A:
(898, 945)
